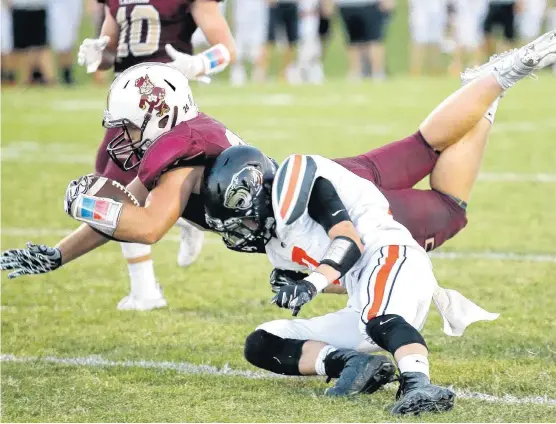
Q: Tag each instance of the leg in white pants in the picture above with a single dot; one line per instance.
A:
(530, 21)
(250, 27)
(401, 285)
(398, 280)
(146, 293)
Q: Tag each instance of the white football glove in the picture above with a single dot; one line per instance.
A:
(190, 66)
(90, 52)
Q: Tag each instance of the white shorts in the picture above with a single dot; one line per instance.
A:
(63, 22)
(470, 15)
(309, 43)
(398, 280)
(552, 18)
(427, 21)
(250, 20)
(7, 43)
(529, 23)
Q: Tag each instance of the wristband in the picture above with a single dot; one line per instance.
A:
(100, 213)
(215, 59)
(318, 280)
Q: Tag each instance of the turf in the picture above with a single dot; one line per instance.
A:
(50, 136)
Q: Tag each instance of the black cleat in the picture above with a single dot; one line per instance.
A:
(362, 373)
(416, 394)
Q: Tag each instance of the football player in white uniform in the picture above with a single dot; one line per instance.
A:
(313, 214)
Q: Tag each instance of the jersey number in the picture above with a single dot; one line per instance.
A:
(131, 30)
(300, 256)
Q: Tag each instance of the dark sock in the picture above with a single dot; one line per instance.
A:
(67, 75)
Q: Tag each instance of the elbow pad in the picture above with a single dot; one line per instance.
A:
(342, 254)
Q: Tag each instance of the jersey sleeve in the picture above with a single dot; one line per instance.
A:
(292, 188)
(325, 205)
(167, 152)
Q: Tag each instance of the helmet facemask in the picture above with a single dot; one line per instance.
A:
(128, 147)
(248, 198)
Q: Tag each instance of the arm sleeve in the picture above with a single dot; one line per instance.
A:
(325, 206)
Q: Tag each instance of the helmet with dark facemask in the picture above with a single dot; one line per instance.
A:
(237, 196)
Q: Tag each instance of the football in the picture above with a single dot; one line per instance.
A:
(111, 189)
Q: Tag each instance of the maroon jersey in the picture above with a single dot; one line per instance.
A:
(146, 26)
(192, 143)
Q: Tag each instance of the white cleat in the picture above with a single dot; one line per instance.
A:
(191, 244)
(133, 303)
(511, 66)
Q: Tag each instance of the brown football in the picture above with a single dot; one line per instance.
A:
(105, 187)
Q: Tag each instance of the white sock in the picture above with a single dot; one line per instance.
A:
(319, 363)
(141, 274)
(414, 363)
(491, 112)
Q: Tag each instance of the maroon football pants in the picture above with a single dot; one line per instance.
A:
(431, 217)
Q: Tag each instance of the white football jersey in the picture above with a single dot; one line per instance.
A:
(301, 242)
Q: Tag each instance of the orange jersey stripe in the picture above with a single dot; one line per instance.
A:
(292, 185)
(382, 278)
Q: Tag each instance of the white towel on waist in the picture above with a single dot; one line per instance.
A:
(457, 311)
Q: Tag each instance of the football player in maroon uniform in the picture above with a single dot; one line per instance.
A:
(137, 31)
(171, 153)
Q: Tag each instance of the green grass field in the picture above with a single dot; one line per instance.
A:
(69, 355)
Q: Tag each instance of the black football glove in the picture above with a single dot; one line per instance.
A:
(284, 277)
(294, 296)
(36, 259)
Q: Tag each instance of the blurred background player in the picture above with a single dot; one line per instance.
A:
(427, 23)
(63, 23)
(551, 20)
(310, 49)
(501, 13)
(250, 21)
(364, 22)
(30, 49)
(326, 11)
(283, 16)
(531, 18)
(134, 33)
(468, 34)
(6, 43)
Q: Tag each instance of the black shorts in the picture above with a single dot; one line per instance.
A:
(283, 15)
(363, 23)
(29, 28)
(502, 15)
(324, 27)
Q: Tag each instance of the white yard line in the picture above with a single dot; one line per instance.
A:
(36, 233)
(189, 368)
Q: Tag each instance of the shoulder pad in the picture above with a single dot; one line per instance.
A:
(292, 187)
(169, 150)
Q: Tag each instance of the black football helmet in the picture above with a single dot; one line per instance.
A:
(237, 193)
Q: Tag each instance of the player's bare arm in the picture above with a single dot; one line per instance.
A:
(210, 20)
(100, 53)
(163, 207)
(109, 29)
